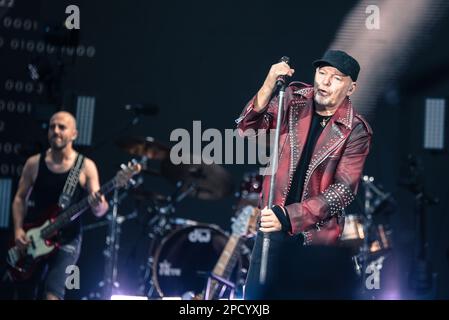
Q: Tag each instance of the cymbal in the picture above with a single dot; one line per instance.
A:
(144, 147)
(211, 181)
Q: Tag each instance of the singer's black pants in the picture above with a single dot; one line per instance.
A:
(296, 271)
(278, 241)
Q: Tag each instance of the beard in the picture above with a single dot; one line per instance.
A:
(319, 99)
(57, 145)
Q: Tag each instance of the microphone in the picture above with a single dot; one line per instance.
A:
(282, 79)
(145, 109)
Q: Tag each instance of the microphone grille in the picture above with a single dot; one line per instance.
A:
(285, 59)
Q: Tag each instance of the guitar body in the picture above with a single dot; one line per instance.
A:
(43, 233)
(22, 264)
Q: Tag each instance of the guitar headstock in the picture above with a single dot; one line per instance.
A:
(244, 225)
(126, 173)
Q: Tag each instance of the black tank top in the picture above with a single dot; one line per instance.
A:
(46, 191)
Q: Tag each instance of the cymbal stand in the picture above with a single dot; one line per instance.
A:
(112, 241)
(159, 225)
(373, 197)
(220, 281)
(367, 223)
(114, 221)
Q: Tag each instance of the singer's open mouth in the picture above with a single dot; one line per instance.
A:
(323, 92)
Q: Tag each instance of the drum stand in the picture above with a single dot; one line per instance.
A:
(373, 198)
(422, 278)
(159, 225)
(114, 221)
(225, 284)
(367, 222)
(113, 243)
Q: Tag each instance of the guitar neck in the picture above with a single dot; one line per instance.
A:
(228, 258)
(73, 212)
(225, 264)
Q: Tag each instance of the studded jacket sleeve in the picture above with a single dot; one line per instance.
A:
(263, 120)
(343, 184)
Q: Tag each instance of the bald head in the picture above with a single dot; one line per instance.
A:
(66, 117)
(62, 130)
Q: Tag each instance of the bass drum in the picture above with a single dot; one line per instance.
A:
(187, 256)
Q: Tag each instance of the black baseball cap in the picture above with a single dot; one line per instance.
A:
(340, 60)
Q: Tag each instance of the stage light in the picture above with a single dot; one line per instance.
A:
(434, 124)
(401, 30)
(85, 111)
(5, 203)
(126, 297)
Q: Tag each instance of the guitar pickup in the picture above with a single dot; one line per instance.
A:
(32, 243)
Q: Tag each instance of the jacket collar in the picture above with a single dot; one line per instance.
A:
(338, 128)
(344, 114)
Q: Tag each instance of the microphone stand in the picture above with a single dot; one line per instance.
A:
(274, 166)
(422, 279)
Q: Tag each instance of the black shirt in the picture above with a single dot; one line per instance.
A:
(295, 193)
(46, 191)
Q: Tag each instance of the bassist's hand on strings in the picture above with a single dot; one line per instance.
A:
(21, 239)
(95, 201)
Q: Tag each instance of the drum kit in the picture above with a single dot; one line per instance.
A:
(369, 233)
(181, 253)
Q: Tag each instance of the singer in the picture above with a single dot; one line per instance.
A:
(323, 146)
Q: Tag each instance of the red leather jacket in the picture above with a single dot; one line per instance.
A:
(335, 168)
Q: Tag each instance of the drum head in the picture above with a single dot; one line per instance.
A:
(185, 259)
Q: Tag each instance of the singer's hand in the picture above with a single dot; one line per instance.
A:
(277, 70)
(269, 85)
(269, 222)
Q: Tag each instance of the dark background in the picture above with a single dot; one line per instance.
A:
(204, 60)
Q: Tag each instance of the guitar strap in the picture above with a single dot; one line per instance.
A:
(70, 184)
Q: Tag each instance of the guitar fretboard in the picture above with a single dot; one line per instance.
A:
(73, 212)
(225, 264)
